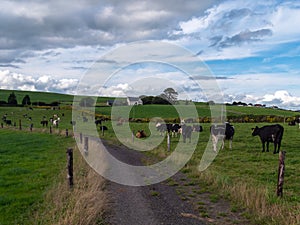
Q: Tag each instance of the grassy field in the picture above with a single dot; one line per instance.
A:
(244, 174)
(30, 164)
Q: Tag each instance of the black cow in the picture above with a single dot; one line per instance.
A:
(8, 122)
(73, 122)
(186, 132)
(270, 133)
(98, 122)
(103, 128)
(44, 123)
(223, 131)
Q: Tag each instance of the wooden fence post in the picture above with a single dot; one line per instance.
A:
(20, 125)
(31, 126)
(50, 129)
(1, 125)
(280, 174)
(70, 166)
(132, 136)
(86, 144)
(168, 142)
(102, 129)
(67, 132)
(80, 136)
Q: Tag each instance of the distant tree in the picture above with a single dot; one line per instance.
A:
(12, 99)
(87, 102)
(170, 95)
(211, 102)
(160, 100)
(26, 100)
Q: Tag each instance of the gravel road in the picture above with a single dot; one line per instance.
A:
(147, 205)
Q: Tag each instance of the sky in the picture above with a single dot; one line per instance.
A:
(252, 48)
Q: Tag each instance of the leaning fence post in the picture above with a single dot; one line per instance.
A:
(280, 174)
(70, 166)
(168, 141)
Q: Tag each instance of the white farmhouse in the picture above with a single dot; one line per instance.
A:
(134, 101)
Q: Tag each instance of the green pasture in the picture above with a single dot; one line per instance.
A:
(15, 114)
(24, 158)
(29, 165)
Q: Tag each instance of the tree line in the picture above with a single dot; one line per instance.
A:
(26, 101)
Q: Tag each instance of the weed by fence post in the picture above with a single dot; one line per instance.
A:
(20, 125)
(70, 166)
(280, 174)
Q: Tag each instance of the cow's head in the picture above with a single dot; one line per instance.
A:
(255, 131)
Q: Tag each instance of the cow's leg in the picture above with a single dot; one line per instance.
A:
(278, 146)
(223, 143)
(230, 143)
(275, 146)
(214, 141)
(263, 146)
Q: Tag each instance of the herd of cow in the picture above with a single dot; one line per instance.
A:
(267, 134)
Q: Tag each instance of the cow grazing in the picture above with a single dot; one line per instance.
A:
(270, 133)
(186, 132)
(221, 131)
(140, 134)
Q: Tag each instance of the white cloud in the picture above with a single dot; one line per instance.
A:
(16, 81)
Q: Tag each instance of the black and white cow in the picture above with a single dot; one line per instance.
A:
(168, 127)
(270, 133)
(186, 132)
(223, 132)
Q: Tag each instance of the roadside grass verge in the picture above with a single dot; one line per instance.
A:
(33, 184)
